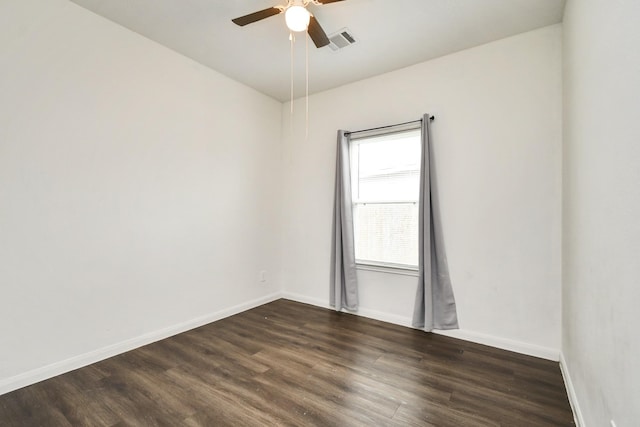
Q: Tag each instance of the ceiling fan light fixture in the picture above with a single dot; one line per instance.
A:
(297, 18)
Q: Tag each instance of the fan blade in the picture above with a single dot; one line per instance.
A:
(316, 33)
(328, 1)
(256, 16)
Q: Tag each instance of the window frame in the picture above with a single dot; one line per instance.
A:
(355, 141)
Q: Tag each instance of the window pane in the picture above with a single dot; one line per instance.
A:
(389, 167)
(387, 232)
(399, 186)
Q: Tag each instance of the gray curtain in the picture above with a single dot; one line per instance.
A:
(344, 284)
(435, 306)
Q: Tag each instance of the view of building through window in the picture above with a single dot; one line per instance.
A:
(385, 171)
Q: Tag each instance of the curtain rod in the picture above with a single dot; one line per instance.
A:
(431, 118)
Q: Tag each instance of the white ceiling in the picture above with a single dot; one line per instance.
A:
(390, 34)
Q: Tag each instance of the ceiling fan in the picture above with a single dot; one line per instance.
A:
(297, 17)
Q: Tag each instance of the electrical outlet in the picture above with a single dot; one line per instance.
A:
(262, 276)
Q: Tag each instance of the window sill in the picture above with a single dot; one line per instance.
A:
(404, 271)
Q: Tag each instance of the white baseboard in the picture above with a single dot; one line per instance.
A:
(463, 334)
(571, 393)
(307, 300)
(371, 314)
(39, 374)
(503, 343)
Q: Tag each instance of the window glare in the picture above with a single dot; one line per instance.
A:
(389, 155)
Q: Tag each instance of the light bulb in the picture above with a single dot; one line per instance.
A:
(297, 18)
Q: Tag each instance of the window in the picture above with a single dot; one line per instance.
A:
(385, 173)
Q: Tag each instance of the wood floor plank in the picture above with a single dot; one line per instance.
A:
(291, 364)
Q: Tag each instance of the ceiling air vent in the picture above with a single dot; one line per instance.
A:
(341, 39)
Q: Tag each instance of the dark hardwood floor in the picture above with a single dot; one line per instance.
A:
(287, 363)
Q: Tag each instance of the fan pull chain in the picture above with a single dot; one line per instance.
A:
(291, 42)
(306, 96)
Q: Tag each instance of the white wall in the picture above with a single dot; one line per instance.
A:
(497, 137)
(601, 209)
(138, 189)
